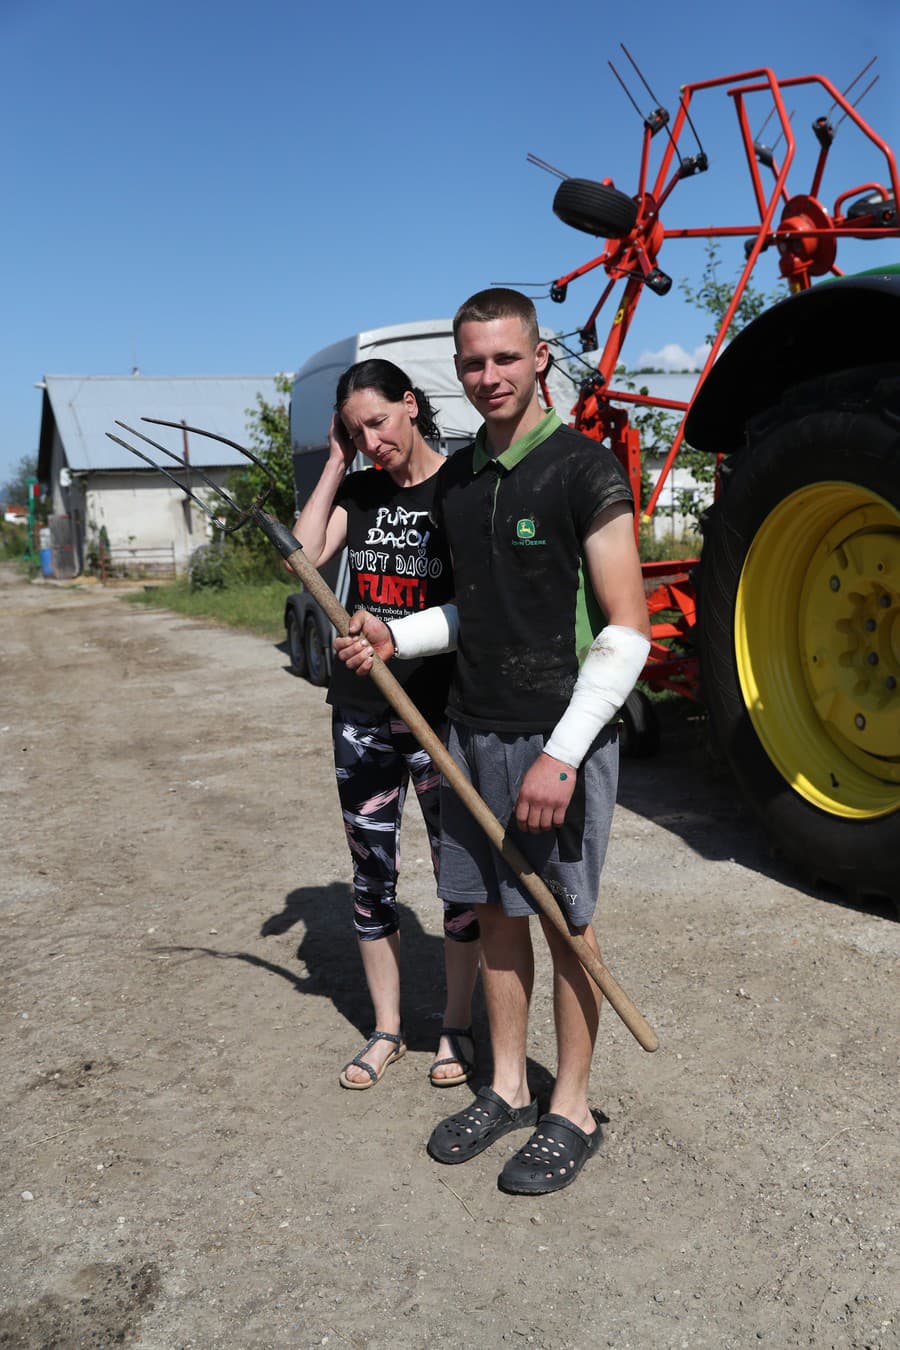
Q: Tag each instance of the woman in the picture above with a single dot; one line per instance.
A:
(397, 564)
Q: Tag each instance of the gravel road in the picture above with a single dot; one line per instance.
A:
(181, 1168)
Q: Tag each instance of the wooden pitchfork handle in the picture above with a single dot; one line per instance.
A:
(407, 710)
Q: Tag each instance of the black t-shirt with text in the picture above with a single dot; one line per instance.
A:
(399, 564)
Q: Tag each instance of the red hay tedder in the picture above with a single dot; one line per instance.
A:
(788, 625)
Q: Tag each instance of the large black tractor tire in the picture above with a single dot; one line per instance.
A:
(595, 208)
(639, 731)
(318, 663)
(799, 628)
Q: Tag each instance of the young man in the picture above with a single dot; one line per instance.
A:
(539, 521)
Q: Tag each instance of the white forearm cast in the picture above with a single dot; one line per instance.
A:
(428, 633)
(606, 678)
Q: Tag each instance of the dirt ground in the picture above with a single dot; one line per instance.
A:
(181, 1168)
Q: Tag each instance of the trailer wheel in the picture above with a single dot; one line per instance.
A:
(295, 643)
(317, 666)
(799, 627)
(639, 732)
(594, 208)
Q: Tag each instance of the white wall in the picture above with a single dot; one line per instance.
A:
(147, 512)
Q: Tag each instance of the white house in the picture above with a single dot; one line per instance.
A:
(95, 485)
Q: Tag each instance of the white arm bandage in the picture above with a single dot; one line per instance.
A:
(607, 677)
(428, 633)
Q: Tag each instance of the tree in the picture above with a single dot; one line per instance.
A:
(657, 427)
(714, 296)
(269, 437)
(15, 489)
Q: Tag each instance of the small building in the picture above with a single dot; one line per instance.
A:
(100, 492)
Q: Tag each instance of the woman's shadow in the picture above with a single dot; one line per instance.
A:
(328, 951)
(329, 955)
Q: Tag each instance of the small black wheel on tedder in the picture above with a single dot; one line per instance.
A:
(595, 208)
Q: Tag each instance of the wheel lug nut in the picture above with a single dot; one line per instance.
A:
(890, 682)
(835, 583)
(872, 658)
(883, 600)
(870, 625)
(860, 721)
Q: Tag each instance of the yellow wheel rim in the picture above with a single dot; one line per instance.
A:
(817, 640)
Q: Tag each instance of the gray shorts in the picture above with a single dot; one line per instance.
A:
(569, 860)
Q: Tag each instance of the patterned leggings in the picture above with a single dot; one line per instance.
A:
(374, 763)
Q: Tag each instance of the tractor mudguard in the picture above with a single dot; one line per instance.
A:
(837, 325)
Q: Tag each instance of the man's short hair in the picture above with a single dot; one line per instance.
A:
(497, 302)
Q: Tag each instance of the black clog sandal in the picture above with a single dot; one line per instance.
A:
(470, 1132)
(552, 1158)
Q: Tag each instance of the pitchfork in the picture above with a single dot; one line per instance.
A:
(397, 697)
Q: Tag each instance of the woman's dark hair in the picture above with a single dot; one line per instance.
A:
(391, 383)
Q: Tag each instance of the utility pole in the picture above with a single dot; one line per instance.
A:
(34, 495)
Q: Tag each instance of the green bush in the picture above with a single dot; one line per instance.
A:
(225, 563)
(13, 539)
(207, 568)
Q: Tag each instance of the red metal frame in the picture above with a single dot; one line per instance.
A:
(806, 237)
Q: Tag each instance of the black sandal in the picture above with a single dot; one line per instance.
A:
(468, 1065)
(553, 1156)
(470, 1132)
(374, 1074)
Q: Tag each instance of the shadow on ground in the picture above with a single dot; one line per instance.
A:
(330, 967)
(687, 789)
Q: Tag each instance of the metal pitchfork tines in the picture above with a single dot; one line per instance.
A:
(403, 706)
(242, 515)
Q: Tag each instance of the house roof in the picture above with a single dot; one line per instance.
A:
(84, 407)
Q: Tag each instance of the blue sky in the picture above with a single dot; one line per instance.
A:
(223, 188)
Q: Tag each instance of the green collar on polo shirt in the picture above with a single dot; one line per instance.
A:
(515, 453)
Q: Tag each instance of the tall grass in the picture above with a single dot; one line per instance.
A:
(257, 607)
(653, 549)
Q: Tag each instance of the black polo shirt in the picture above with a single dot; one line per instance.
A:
(527, 613)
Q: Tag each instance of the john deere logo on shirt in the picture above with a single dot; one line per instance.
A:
(526, 531)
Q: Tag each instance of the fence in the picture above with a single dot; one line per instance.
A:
(127, 563)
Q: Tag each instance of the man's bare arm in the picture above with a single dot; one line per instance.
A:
(614, 570)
